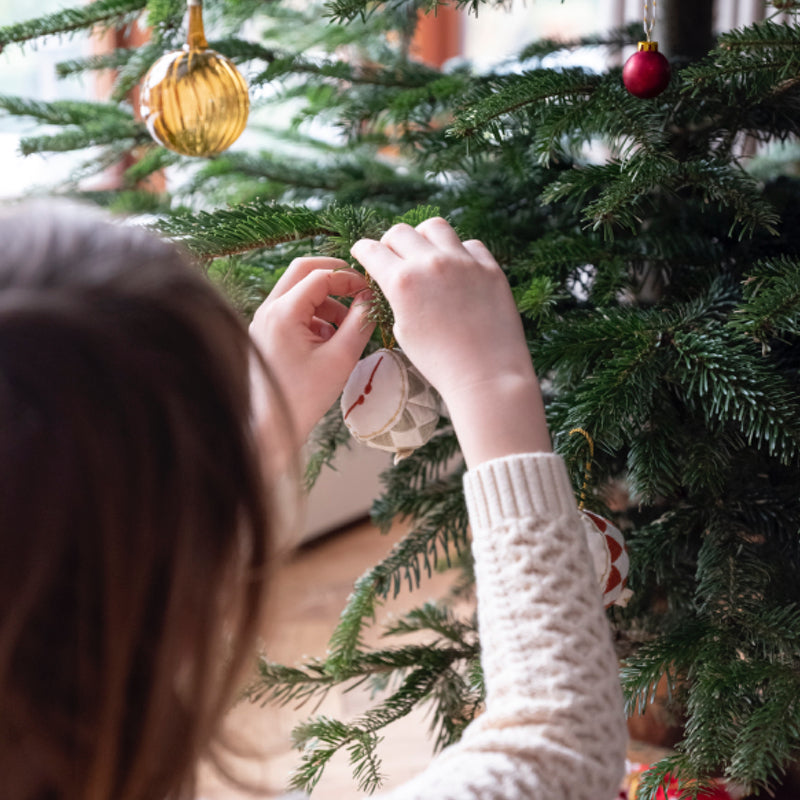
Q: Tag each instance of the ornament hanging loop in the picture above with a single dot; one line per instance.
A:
(587, 467)
(649, 22)
(196, 37)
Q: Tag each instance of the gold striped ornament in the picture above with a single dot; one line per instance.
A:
(194, 101)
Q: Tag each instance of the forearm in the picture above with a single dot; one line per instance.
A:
(500, 418)
(554, 723)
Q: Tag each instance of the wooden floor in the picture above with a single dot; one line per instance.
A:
(312, 588)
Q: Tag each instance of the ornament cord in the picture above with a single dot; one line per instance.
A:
(588, 466)
(649, 5)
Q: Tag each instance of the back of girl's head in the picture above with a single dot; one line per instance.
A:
(133, 510)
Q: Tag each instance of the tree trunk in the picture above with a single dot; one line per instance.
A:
(687, 29)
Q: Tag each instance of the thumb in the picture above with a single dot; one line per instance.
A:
(353, 333)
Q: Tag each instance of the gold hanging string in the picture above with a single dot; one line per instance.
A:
(588, 466)
(649, 24)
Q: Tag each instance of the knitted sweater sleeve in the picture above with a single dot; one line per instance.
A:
(554, 727)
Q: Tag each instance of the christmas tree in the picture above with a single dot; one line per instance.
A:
(654, 249)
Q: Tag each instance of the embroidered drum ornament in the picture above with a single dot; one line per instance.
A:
(387, 404)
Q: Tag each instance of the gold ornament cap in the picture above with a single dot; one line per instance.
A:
(194, 101)
(647, 47)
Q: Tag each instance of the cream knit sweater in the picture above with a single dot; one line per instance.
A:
(554, 727)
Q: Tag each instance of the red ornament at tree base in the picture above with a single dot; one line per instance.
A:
(647, 72)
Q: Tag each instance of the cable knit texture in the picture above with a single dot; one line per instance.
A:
(554, 726)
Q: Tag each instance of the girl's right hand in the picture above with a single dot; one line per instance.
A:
(456, 319)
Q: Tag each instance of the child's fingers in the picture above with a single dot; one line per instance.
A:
(353, 333)
(407, 242)
(314, 290)
(301, 268)
(331, 310)
(323, 329)
(439, 232)
(377, 259)
(480, 252)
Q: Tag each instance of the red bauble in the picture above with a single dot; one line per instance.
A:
(646, 73)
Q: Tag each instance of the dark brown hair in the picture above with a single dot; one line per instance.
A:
(134, 510)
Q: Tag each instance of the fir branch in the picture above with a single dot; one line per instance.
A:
(98, 12)
(443, 526)
(122, 136)
(348, 224)
(670, 655)
(732, 188)
(412, 487)
(748, 63)
(248, 226)
(508, 94)
(665, 555)
(402, 75)
(556, 254)
(355, 178)
(432, 673)
(538, 298)
(623, 195)
(714, 717)
(326, 438)
(654, 467)
(625, 188)
(435, 617)
(770, 737)
(65, 112)
(165, 14)
(135, 68)
(282, 684)
(277, 683)
(430, 97)
(428, 469)
(93, 63)
(728, 381)
(455, 703)
(771, 302)
(657, 779)
(86, 124)
(149, 161)
(615, 39)
(244, 281)
(349, 10)
(591, 338)
(130, 202)
(759, 36)
(320, 738)
(243, 50)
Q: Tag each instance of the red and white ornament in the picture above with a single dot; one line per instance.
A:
(609, 558)
(388, 404)
(647, 72)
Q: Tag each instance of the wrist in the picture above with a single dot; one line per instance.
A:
(501, 417)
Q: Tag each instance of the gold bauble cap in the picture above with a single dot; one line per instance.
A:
(194, 101)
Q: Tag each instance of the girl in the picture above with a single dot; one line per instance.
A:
(144, 439)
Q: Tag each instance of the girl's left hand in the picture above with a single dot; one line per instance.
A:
(310, 340)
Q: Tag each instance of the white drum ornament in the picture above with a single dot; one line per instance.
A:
(609, 557)
(387, 404)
